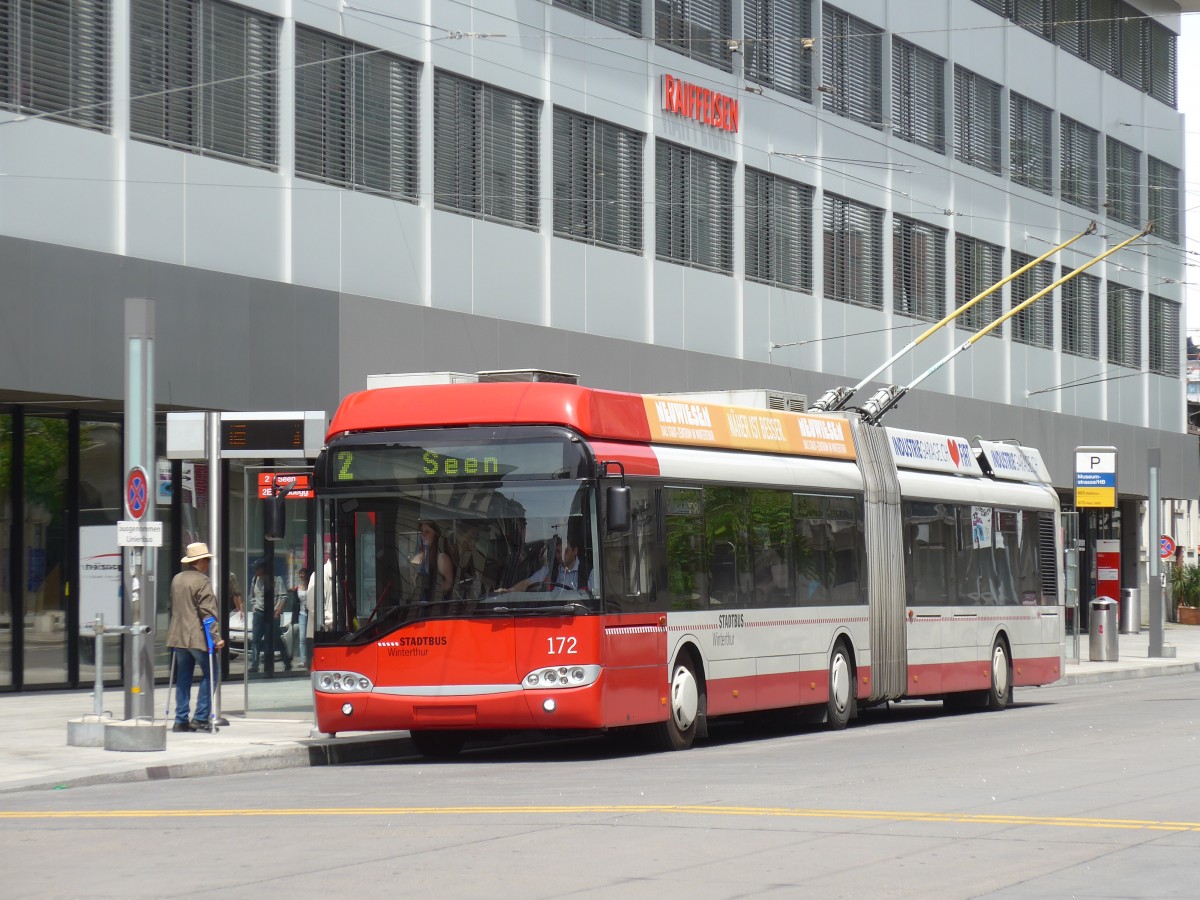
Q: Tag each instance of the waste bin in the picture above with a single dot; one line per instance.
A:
(1102, 630)
(1131, 610)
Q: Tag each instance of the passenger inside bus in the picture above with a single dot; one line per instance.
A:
(432, 564)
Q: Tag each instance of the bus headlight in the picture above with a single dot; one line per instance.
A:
(561, 677)
(341, 682)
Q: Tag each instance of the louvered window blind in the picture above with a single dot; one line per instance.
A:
(1124, 326)
(1124, 183)
(693, 197)
(853, 252)
(1029, 143)
(1163, 72)
(1081, 315)
(1102, 34)
(976, 120)
(597, 181)
(1033, 15)
(1113, 35)
(356, 116)
(1162, 191)
(999, 7)
(700, 29)
(779, 242)
(54, 59)
(852, 67)
(918, 95)
(1164, 336)
(1069, 31)
(1079, 167)
(1035, 323)
(485, 151)
(918, 269)
(775, 56)
(202, 78)
(977, 266)
(623, 14)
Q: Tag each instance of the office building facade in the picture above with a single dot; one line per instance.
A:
(657, 195)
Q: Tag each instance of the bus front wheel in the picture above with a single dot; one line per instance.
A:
(686, 703)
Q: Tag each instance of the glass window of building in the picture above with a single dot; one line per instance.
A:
(1081, 315)
(778, 231)
(1162, 190)
(1033, 15)
(356, 116)
(203, 78)
(1124, 326)
(853, 252)
(918, 269)
(54, 59)
(1079, 166)
(700, 29)
(976, 120)
(597, 181)
(852, 67)
(1123, 186)
(996, 6)
(918, 96)
(485, 151)
(774, 49)
(1162, 75)
(1035, 323)
(623, 14)
(1132, 38)
(1101, 33)
(977, 266)
(1069, 26)
(693, 196)
(1164, 336)
(1029, 144)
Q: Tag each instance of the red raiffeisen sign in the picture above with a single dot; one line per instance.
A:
(706, 106)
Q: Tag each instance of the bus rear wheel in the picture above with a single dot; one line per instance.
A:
(843, 702)
(1000, 694)
(686, 703)
(438, 744)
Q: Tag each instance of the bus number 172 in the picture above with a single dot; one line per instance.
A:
(560, 646)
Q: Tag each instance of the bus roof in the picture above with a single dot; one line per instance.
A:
(600, 414)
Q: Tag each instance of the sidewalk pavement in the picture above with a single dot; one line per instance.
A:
(34, 753)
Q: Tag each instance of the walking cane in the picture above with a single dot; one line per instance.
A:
(170, 685)
(212, 724)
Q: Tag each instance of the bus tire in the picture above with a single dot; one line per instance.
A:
(842, 705)
(686, 703)
(1000, 694)
(436, 744)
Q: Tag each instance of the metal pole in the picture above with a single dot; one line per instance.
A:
(98, 690)
(218, 568)
(1157, 617)
(139, 452)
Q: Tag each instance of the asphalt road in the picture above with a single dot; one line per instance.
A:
(1081, 791)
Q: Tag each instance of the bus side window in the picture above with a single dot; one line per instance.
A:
(629, 570)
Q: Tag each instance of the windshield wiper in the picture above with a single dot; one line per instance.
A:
(559, 609)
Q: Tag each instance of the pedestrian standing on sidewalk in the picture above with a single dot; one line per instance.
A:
(193, 601)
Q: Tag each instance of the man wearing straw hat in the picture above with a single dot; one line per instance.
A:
(193, 603)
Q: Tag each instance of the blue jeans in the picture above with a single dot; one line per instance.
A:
(261, 639)
(185, 668)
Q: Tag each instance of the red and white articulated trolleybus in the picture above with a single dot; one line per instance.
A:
(533, 555)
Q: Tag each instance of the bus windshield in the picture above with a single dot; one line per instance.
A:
(452, 550)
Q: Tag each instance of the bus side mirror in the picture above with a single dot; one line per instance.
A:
(617, 502)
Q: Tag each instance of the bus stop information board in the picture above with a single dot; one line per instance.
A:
(1095, 477)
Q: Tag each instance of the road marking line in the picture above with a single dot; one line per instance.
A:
(775, 812)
